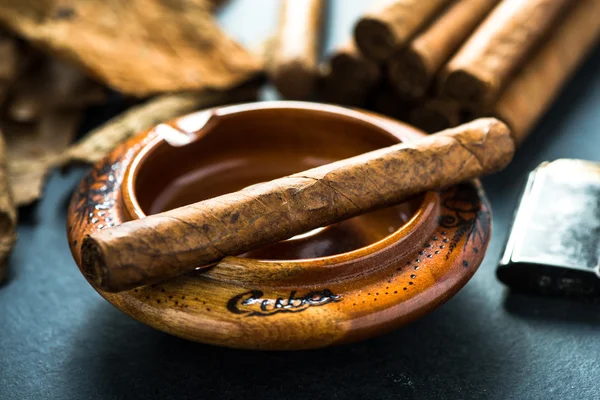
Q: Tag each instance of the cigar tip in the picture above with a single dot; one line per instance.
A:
(295, 80)
(499, 126)
(408, 73)
(354, 68)
(464, 87)
(92, 262)
(489, 140)
(374, 39)
(491, 125)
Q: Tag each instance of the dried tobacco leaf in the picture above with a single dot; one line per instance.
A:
(8, 215)
(138, 47)
(34, 149)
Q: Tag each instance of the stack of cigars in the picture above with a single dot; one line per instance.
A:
(439, 63)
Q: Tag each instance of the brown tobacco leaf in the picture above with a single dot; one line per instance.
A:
(34, 149)
(138, 47)
(8, 215)
(103, 139)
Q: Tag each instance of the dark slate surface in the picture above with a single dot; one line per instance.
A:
(60, 340)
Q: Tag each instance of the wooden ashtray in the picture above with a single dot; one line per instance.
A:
(341, 283)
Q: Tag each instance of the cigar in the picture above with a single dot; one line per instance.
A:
(532, 91)
(498, 48)
(391, 23)
(8, 215)
(294, 56)
(412, 69)
(349, 71)
(164, 245)
(436, 115)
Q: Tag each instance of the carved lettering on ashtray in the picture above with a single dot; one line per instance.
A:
(252, 303)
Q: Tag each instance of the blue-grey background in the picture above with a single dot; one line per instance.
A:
(60, 340)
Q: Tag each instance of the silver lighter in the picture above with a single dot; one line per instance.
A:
(553, 246)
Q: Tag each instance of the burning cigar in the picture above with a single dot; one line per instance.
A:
(531, 92)
(164, 245)
(294, 55)
(484, 65)
(8, 215)
(391, 23)
(349, 71)
(412, 69)
(436, 115)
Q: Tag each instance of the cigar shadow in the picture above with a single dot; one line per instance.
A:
(550, 310)
(130, 360)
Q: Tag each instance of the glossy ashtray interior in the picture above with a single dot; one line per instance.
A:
(335, 284)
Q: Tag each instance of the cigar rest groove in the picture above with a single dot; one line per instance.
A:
(347, 282)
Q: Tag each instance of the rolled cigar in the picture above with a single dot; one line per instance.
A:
(532, 91)
(8, 215)
(294, 55)
(412, 69)
(350, 70)
(164, 245)
(391, 23)
(497, 48)
(436, 115)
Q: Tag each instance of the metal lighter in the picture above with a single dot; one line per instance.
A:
(553, 246)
